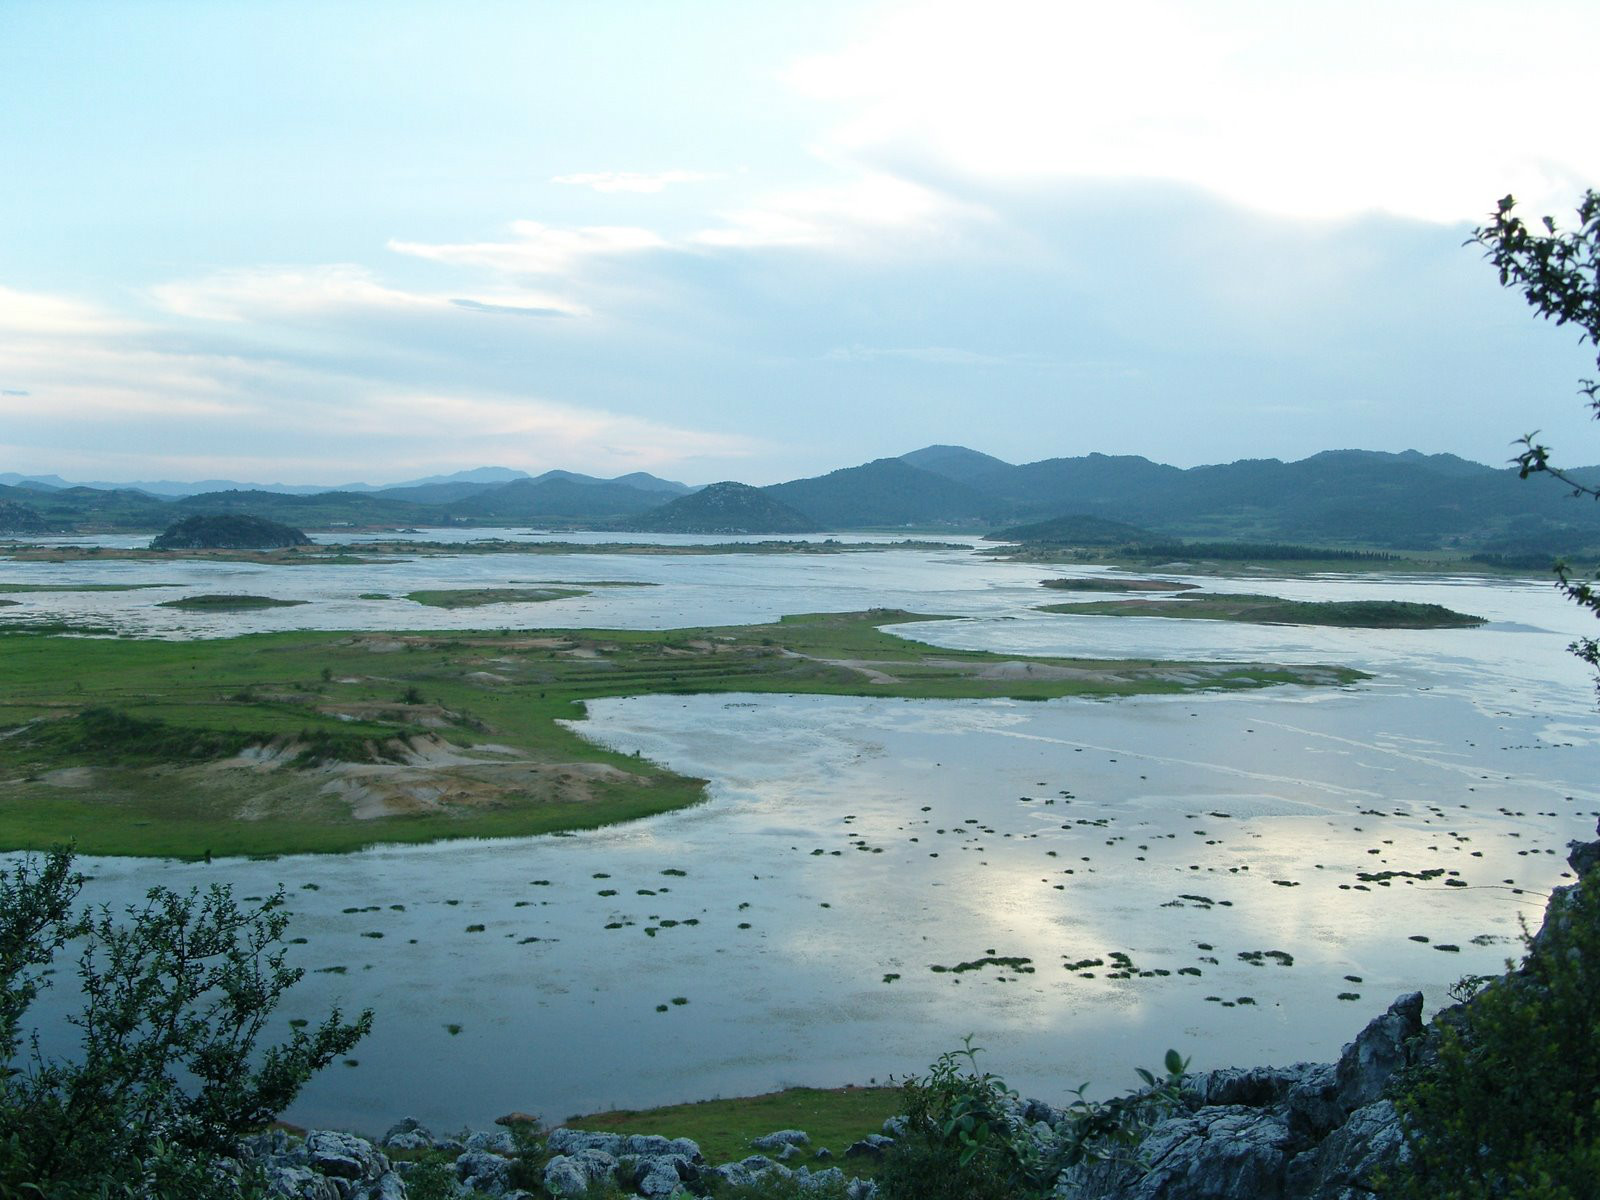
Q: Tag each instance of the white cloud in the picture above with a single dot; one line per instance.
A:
(40, 313)
(538, 249)
(108, 393)
(280, 293)
(1314, 109)
(645, 182)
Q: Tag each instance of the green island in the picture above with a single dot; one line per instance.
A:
(1271, 610)
(228, 602)
(308, 741)
(477, 597)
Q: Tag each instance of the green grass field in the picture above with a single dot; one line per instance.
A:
(327, 741)
(834, 1117)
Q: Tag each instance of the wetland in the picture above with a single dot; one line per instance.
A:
(882, 831)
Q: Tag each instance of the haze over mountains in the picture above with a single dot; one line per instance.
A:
(1338, 497)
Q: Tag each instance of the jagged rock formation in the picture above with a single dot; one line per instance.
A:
(228, 531)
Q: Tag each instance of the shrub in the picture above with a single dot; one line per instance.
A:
(167, 1079)
(1509, 1106)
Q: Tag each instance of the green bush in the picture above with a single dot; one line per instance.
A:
(166, 1078)
(963, 1141)
(1510, 1106)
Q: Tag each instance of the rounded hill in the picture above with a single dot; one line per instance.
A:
(725, 507)
(228, 531)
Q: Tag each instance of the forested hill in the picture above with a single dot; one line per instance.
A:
(1408, 501)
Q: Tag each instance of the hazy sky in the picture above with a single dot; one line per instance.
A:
(321, 242)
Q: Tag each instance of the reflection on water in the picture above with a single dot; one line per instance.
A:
(851, 845)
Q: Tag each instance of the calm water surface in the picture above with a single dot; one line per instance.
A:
(851, 845)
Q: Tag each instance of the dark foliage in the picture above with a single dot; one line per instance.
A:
(1509, 1108)
(175, 995)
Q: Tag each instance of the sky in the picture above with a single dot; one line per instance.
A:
(322, 243)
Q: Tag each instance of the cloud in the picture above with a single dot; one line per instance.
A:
(634, 181)
(289, 293)
(123, 397)
(509, 310)
(538, 249)
(1314, 110)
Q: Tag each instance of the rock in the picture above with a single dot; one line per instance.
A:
(1223, 1153)
(1252, 1087)
(484, 1171)
(343, 1155)
(861, 1189)
(789, 1153)
(823, 1153)
(1313, 1102)
(657, 1176)
(1583, 857)
(299, 1183)
(651, 1145)
(895, 1127)
(871, 1146)
(1343, 1166)
(565, 1177)
(1378, 1051)
(570, 1141)
(1032, 1111)
(388, 1186)
(407, 1134)
(820, 1180)
(780, 1139)
(499, 1141)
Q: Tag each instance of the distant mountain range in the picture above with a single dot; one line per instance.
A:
(459, 483)
(1408, 501)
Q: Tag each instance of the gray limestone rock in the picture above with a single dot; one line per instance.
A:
(564, 1176)
(1378, 1051)
(299, 1183)
(780, 1139)
(570, 1141)
(343, 1155)
(407, 1134)
(484, 1171)
(498, 1141)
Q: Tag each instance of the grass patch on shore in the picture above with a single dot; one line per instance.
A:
(1270, 610)
(317, 741)
(834, 1117)
(476, 597)
(228, 602)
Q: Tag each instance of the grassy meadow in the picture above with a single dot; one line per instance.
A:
(329, 741)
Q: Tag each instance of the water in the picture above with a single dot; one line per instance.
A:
(1070, 830)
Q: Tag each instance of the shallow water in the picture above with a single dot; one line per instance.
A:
(862, 838)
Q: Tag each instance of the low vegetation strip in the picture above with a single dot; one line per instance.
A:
(228, 602)
(1270, 610)
(834, 1118)
(477, 597)
(312, 741)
